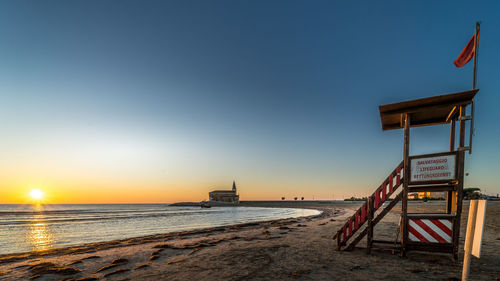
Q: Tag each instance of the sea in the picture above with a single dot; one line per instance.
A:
(26, 228)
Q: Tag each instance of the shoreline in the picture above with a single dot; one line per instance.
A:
(108, 244)
(286, 249)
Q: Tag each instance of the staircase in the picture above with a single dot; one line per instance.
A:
(366, 214)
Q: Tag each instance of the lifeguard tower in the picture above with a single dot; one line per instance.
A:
(443, 172)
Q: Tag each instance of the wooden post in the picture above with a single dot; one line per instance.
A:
(369, 235)
(450, 195)
(469, 238)
(460, 186)
(452, 134)
(406, 180)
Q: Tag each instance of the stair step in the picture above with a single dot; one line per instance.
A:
(386, 242)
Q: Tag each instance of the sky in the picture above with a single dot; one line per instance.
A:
(163, 101)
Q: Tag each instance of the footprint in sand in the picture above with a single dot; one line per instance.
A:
(118, 271)
(91, 257)
(81, 279)
(176, 261)
(142, 266)
(40, 269)
(113, 264)
(156, 255)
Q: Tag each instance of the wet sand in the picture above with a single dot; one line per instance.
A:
(299, 248)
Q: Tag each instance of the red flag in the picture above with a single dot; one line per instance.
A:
(467, 53)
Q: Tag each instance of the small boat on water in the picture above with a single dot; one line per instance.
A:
(205, 204)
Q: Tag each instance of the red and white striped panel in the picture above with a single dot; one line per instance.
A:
(430, 230)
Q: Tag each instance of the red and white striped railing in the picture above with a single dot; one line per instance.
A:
(381, 194)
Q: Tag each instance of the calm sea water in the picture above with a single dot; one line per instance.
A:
(28, 227)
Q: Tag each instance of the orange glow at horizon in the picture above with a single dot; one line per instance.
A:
(121, 185)
(122, 192)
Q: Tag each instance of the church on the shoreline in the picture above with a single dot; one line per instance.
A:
(225, 196)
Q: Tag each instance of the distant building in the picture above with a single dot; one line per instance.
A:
(225, 196)
(413, 195)
(435, 195)
(429, 195)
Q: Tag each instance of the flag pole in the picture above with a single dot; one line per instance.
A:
(474, 78)
(476, 46)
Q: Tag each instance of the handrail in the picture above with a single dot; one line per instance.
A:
(381, 194)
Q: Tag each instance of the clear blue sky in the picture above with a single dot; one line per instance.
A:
(177, 97)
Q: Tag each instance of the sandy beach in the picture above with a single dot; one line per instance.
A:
(300, 248)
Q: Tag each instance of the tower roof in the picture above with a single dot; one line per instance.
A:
(424, 112)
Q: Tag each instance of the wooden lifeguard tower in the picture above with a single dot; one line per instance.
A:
(437, 172)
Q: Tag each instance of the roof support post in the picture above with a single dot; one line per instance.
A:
(450, 195)
(406, 180)
(460, 186)
(452, 134)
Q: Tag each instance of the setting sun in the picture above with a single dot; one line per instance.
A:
(36, 194)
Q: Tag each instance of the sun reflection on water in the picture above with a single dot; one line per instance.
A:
(39, 235)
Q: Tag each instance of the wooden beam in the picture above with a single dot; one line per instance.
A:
(419, 123)
(368, 229)
(432, 155)
(406, 180)
(386, 210)
(431, 188)
(454, 98)
(438, 109)
(383, 242)
(452, 114)
(452, 135)
(460, 186)
(431, 247)
(450, 194)
(419, 108)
